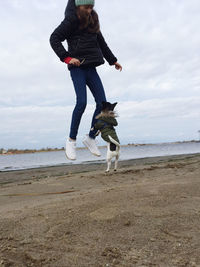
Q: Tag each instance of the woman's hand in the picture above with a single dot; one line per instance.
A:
(118, 66)
(75, 62)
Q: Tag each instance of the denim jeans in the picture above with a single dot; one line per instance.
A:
(82, 77)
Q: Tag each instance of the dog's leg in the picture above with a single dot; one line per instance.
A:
(108, 157)
(108, 164)
(116, 162)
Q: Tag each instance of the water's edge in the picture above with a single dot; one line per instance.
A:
(98, 162)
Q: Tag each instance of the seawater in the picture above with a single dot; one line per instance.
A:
(55, 158)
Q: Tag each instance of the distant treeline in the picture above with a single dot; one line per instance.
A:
(22, 151)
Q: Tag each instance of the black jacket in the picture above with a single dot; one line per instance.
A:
(89, 48)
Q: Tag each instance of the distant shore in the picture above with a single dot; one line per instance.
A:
(25, 151)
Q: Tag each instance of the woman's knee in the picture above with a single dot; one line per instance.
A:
(98, 106)
(80, 106)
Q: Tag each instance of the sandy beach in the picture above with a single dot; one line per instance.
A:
(145, 214)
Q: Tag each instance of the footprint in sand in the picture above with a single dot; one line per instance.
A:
(106, 213)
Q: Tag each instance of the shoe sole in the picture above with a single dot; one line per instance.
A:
(69, 158)
(97, 155)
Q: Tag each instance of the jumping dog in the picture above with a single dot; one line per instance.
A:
(106, 121)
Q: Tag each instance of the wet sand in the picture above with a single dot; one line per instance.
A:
(145, 214)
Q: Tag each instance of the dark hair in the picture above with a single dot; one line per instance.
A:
(88, 21)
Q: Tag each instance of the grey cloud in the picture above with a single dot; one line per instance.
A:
(157, 42)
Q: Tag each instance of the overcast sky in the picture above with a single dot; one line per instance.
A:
(158, 91)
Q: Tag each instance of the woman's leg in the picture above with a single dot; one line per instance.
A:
(79, 80)
(96, 87)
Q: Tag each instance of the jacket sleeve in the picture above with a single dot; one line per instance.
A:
(107, 53)
(60, 34)
(115, 123)
(98, 125)
(111, 120)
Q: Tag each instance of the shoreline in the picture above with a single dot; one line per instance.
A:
(7, 177)
(103, 161)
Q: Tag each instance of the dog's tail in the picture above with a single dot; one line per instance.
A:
(113, 141)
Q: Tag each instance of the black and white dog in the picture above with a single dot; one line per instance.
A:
(106, 121)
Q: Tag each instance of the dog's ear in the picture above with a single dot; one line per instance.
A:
(113, 105)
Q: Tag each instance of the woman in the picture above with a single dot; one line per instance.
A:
(86, 50)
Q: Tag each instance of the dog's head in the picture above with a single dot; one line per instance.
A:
(107, 106)
(107, 110)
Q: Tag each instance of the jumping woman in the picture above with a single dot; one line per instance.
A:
(86, 50)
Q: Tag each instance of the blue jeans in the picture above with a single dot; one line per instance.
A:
(82, 77)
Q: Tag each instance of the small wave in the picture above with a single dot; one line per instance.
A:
(93, 161)
(8, 167)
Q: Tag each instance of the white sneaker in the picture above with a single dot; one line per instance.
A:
(70, 150)
(90, 143)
